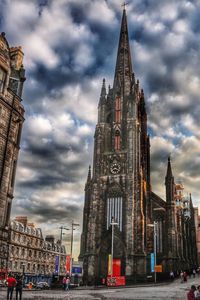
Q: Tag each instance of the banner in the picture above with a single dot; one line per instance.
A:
(57, 264)
(152, 262)
(116, 267)
(109, 264)
(68, 263)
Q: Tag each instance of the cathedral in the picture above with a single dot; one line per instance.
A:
(118, 188)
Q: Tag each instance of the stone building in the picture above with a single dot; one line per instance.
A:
(119, 188)
(12, 77)
(197, 225)
(30, 253)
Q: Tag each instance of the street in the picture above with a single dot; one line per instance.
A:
(174, 290)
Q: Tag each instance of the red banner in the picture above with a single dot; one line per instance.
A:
(68, 262)
(116, 267)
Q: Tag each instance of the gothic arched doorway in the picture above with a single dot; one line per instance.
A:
(105, 250)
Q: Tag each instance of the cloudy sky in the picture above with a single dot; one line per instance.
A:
(69, 46)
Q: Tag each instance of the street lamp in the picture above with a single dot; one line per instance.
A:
(61, 235)
(112, 244)
(73, 225)
(154, 225)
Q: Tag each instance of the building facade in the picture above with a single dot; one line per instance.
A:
(119, 188)
(197, 225)
(12, 77)
(31, 254)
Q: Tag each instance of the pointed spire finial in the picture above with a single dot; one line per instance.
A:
(103, 89)
(169, 169)
(123, 69)
(124, 5)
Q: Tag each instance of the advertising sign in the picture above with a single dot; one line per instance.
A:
(77, 270)
(116, 281)
(158, 268)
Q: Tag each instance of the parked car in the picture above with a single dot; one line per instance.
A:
(42, 285)
(30, 285)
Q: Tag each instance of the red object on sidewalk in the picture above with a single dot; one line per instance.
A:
(116, 281)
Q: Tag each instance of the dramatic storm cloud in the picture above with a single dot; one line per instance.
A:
(69, 47)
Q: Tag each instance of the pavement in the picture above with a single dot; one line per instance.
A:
(164, 291)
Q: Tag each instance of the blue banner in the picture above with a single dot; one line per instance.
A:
(152, 262)
(57, 264)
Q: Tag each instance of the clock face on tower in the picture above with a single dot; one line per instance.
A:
(115, 168)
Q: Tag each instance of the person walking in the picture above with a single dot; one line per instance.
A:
(194, 273)
(64, 283)
(181, 276)
(19, 287)
(190, 294)
(197, 293)
(67, 283)
(11, 282)
(185, 276)
(171, 274)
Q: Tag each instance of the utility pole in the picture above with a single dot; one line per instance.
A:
(113, 223)
(61, 234)
(72, 238)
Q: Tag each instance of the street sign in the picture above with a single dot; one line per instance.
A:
(158, 268)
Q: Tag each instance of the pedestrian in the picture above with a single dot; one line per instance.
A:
(19, 287)
(197, 294)
(64, 283)
(185, 276)
(171, 274)
(67, 284)
(194, 273)
(11, 282)
(190, 294)
(181, 276)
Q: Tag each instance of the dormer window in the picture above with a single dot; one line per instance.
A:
(2, 79)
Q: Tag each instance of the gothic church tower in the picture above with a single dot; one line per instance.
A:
(118, 187)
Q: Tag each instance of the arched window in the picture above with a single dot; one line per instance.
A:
(117, 140)
(117, 110)
(114, 206)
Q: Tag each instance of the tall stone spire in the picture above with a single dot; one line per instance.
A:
(169, 169)
(123, 69)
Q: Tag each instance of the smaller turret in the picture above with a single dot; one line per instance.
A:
(102, 103)
(89, 174)
(169, 183)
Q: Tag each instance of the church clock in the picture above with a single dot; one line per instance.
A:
(115, 168)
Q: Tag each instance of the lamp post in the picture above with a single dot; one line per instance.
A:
(112, 243)
(154, 225)
(61, 234)
(72, 238)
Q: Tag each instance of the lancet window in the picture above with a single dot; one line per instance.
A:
(114, 210)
